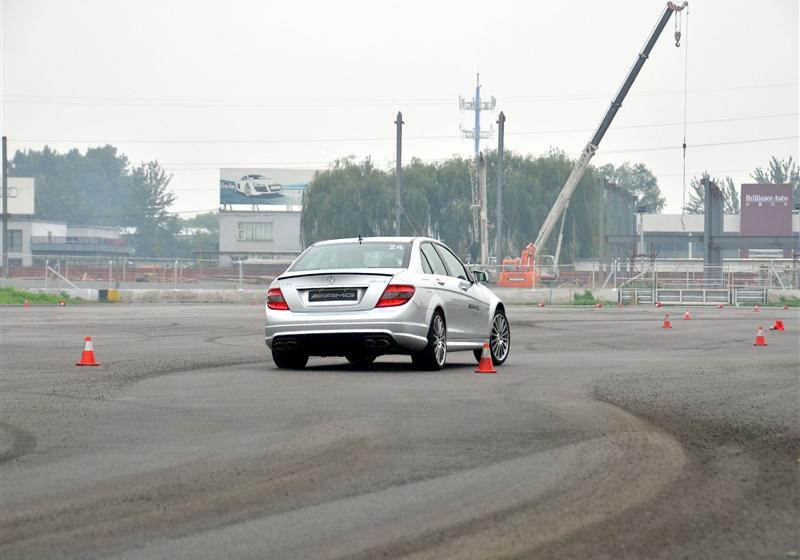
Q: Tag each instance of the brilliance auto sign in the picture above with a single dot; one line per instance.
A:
(766, 209)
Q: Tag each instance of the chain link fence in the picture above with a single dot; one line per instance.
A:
(61, 272)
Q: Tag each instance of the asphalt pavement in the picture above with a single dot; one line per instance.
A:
(603, 436)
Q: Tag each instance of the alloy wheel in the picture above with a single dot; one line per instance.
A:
(500, 337)
(439, 340)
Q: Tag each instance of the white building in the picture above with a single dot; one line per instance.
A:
(258, 235)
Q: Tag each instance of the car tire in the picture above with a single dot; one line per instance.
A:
(360, 359)
(434, 356)
(290, 360)
(499, 339)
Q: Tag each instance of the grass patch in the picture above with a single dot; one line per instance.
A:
(14, 296)
(790, 301)
(586, 298)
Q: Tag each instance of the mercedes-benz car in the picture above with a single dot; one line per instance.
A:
(366, 297)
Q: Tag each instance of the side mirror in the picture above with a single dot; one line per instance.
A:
(481, 276)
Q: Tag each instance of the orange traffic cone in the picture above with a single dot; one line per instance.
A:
(26, 304)
(778, 326)
(659, 304)
(760, 340)
(756, 309)
(62, 303)
(667, 324)
(687, 316)
(486, 365)
(87, 358)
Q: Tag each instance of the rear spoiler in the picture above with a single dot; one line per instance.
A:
(352, 272)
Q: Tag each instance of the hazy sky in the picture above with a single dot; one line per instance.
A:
(202, 85)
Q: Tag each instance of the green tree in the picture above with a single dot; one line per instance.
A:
(348, 200)
(638, 180)
(696, 203)
(77, 188)
(100, 187)
(780, 171)
(148, 200)
(199, 234)
(355, 198)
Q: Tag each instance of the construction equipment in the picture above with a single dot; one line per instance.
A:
(582, 163)
(518, 272)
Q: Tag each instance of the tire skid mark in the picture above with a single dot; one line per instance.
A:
(23, 442)
(623, 484)
(209, 499)
(243, 334)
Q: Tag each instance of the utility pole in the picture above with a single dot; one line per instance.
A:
(484, 221)
(4, 259)
(498, 238)
(398, 166)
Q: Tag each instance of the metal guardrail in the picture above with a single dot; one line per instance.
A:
(727, 296)
(669, 274)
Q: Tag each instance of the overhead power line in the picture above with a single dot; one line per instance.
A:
(705, 145)
(355, 103)
(245, 164)
(332, 140)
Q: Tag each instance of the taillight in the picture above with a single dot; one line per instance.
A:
(395, 294)
(275, 300)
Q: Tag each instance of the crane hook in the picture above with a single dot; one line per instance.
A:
(677, 38)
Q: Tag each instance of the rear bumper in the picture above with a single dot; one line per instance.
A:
(382, 331)
(339, 344)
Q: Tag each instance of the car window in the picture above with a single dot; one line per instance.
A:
(433, 259)
(454, 266)
(426, 266)
(368, 254)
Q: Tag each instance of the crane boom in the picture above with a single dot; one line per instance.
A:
(588, 152)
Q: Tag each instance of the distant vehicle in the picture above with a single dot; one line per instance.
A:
(361, 298)
(257, 186)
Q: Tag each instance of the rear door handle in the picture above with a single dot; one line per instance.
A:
(440, 282)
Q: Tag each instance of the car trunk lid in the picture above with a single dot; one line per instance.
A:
(334, 290)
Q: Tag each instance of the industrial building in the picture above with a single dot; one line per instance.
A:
(29, 237)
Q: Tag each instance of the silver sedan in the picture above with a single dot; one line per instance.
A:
(362, 298)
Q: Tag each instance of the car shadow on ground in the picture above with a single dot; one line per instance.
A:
(381, 367)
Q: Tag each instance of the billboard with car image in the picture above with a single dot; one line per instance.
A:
(264, 187)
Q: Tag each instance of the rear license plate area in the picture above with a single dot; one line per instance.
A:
(332, 294)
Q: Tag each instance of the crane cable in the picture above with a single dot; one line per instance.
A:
(678, 25)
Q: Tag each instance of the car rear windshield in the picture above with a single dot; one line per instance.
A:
(367, 254)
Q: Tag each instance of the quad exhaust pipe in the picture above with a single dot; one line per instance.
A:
(369, 342)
